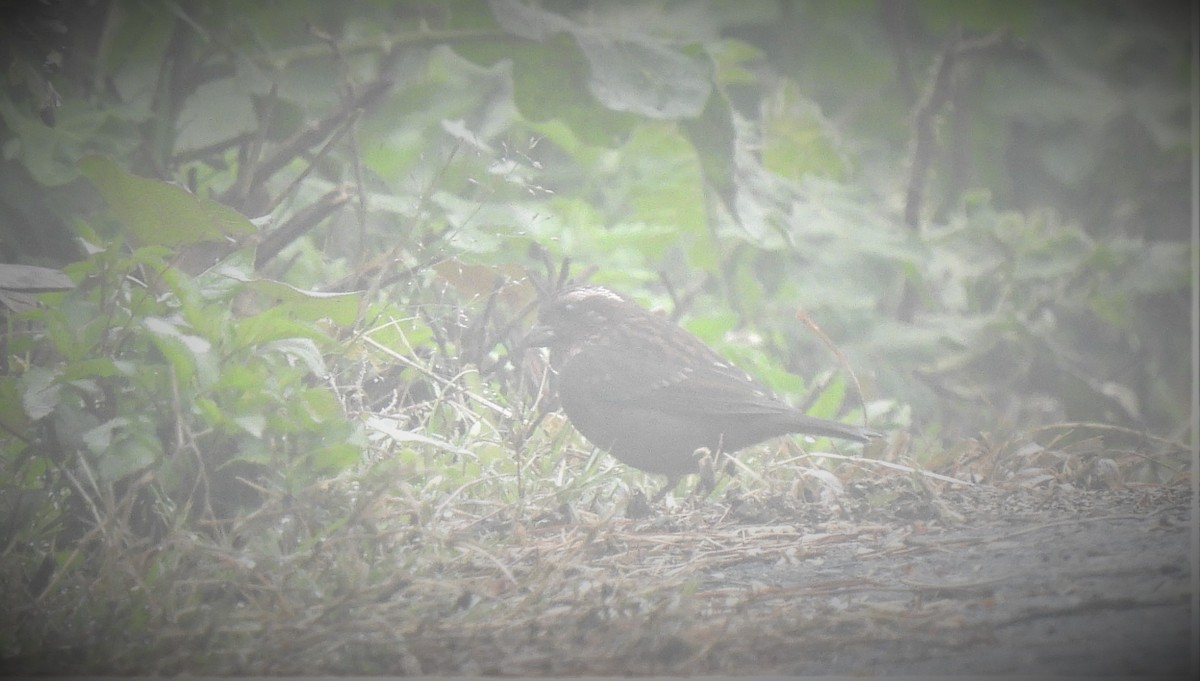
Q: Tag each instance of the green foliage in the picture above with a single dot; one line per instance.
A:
(304, 240)
(155, 213)
(151, 375)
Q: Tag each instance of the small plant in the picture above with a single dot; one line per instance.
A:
(144, 401)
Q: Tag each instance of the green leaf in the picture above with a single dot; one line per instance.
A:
(39, 391)
(829, 403)
(123, 446)
(729, 56)
(399, 331)
(99, 438)
(273, 324)
(389, 428)
(339, 308)
(161, 213)
(528, 21)
(14, 414)
(186, 352)
(301, 349)
(254, 424)
(646, 78)
(313, 409)
(549, 82)
(661, 186)
(797, 139)
(46, 152)
(97, 367)
(629, 71)
(336, 457)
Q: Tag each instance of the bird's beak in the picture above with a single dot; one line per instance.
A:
(539, 336)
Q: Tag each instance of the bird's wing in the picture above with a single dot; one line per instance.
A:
(648, 378)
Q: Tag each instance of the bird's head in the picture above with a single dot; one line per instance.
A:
(576, 314)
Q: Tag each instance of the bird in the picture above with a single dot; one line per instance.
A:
(652, 394)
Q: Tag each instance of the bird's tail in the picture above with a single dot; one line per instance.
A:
(845, 431)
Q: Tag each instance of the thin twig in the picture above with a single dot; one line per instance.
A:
(895, 466)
